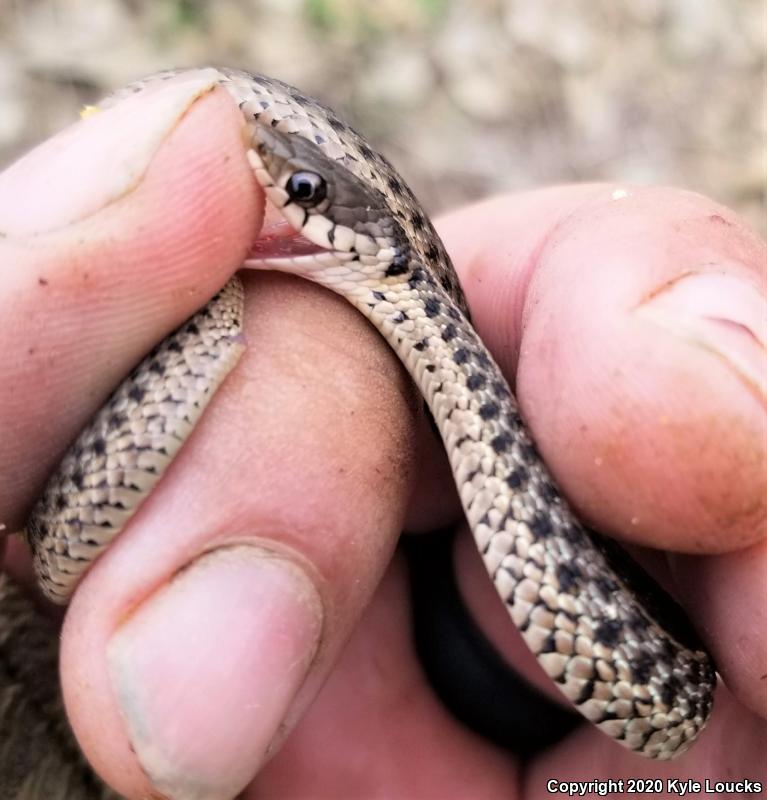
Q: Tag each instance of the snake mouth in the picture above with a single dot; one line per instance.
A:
(278, 239)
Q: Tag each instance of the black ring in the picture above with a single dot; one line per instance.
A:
(464, 668)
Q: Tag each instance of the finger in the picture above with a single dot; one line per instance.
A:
(631, 322)
(198, 638)
(113, 232)
(377, 730)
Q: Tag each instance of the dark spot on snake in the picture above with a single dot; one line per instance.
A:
(137, 393)
(670, 650)
(454, 312)
(433, 254)
(447, 284)
(60, 502)
(379, 296)
(416, 277)
(421, 346)
(417, 220)
(264, 104)
(173, 346)
(77, 478)
(394, 184)
(586, 691)
(608, 632)
(336, 124)
(398, 266)
(99, 447)
(116, 420)
(331, 235)
(461, 356)
(639, 623)
(449, 333)
(670, 689)
(193, 329)
(550, 645)
(274, 123)
(366, 151)
(501, 443)
(400, 316)
(541, 525)
(690, 712)
(431, 307)
(513, 420)
(548, 492)
(430, 367)
(475, 381)
(517, 478)
(606, 585)
(529, 452)
(319, 139)
(641, 667)
(567, 577)
(573, 533)
(489, 410)
(484, 360)
(500, 388)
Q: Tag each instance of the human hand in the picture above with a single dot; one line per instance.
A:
(301, 472)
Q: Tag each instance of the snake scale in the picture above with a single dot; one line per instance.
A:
(632, 669)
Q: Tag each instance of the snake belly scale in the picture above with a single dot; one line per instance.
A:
(629, 668)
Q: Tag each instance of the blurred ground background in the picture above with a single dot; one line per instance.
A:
(467, 97)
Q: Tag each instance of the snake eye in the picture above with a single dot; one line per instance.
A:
(308, 189)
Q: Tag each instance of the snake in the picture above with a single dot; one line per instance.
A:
(623, 656)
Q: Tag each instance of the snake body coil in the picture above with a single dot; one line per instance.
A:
(632, 670)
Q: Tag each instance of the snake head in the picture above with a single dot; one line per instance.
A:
(344, 217)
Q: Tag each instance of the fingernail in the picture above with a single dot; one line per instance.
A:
(205, 670)
(721, 313)
(97, 160)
